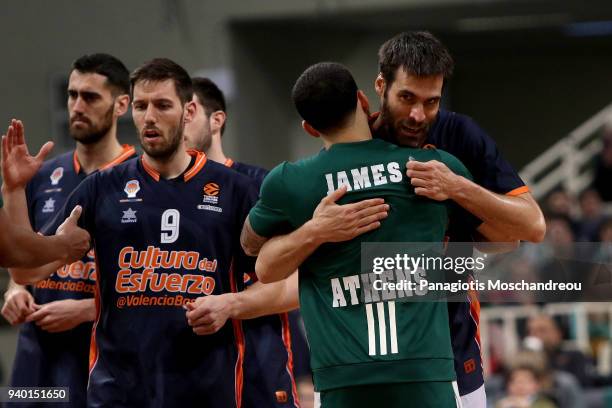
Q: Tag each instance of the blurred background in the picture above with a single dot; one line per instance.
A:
(537, 75)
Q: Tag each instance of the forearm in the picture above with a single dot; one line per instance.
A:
(265, 299)
(28, 275)
(16, 206)
(21, 246)
(282, 255)
(513, 217)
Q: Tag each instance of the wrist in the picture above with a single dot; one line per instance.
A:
(6, 190)
(232, 304)
(87, 310)
(460, 187)
(313, 235)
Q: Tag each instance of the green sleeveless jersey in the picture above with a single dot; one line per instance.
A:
(357, 334)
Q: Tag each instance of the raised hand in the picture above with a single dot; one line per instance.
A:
(18, 166)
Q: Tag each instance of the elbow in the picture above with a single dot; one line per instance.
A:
(537, 230)
(261, 270)
(249, 250)
(21, 278)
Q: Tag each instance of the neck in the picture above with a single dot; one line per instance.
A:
(358, 131)
(215, 151)
(95, 155)
(171, 167)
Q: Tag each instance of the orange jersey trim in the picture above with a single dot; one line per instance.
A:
(228, 162)
(240, 345)
(127, 152)
(197, 166)
(93, 345)
(200, 161)
(286, 334)
(518, 191)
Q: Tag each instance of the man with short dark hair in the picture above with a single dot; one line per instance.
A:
(166, 235)
(58, 312)
(413, 68)
(365, 345)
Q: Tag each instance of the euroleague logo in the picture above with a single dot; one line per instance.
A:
(210, 198)
(211, 189)
(57, 175)
(132, 188)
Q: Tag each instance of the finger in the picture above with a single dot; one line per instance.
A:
(44, 151)
(366, 212)
(75, 214)
(417, 165)
(367, 228)
(4, 147)
(419, 174)
(417, 182)
(19, 133)
(9, 315)
(197, 313)
(204, 330)
(421, 191)
(336, 195)
(372, 218)
(10, 138)
(204, 317)
(360, 205)
(204, 320)
(37, 315)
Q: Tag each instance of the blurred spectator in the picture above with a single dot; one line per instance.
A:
(524, 389)
(530, 382)
(592, 216)
(603, 167)
(559, 204)
(571, 361)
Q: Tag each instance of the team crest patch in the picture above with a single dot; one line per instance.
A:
(57, 175)
(49, 206)
(132, 188)
(129, 216)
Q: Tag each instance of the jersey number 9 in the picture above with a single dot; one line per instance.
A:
(170, 226)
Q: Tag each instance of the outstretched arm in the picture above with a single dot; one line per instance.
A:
(514, 217)
(19, 245)
(282, 255)
(208, 314)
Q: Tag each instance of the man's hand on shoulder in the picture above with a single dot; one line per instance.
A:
(332, 222)
(433, 179)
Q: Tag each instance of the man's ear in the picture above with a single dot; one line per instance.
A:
(310, 130)
(364, 102)
(380, 85)
(190, 110)
(217, 120)
(122, 103)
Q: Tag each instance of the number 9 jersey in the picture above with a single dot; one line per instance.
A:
(161, 243)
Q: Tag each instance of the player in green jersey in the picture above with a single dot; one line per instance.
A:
(366, 346)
